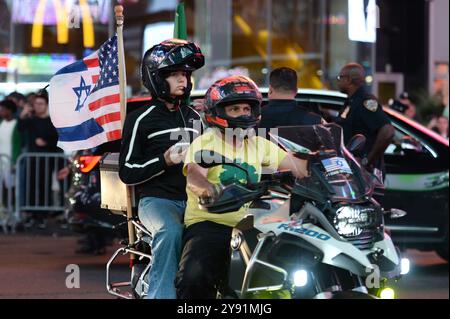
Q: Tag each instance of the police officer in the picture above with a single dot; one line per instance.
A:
(283, 109)
(364, 115)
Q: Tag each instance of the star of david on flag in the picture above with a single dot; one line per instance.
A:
(336, 165)
(84, 100)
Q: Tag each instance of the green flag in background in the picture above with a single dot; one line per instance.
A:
(179, 31)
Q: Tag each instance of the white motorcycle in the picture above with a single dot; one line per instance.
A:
(319, 237)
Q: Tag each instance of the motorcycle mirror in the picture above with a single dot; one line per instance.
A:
(356, 143)
(208, 159)
(395, 213)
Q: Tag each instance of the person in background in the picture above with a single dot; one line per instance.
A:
(283, 109)
(364, 115)
(41, 137)
(19, 99)
(411, 110)
(398, 106)
(439, 124)
(30, 98)
(10, 147)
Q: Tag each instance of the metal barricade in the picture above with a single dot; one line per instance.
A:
(37, 187)
(6, 191)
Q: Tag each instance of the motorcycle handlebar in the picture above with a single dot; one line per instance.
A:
(235, 194)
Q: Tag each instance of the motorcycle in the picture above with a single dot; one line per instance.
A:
(318, 237)
(331, 245)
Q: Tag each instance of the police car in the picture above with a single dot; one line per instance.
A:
(416, 177)
(417, 170)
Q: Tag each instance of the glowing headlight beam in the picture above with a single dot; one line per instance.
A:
(300, 278)
(387, 293)
(404, 266)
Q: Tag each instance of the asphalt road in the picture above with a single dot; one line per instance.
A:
(35, 266)
(427, 279)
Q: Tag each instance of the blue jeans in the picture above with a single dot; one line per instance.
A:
(164, 219)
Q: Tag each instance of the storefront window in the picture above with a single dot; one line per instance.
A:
(270, 38)
(249, 37)
(339, 49)
(256, 36)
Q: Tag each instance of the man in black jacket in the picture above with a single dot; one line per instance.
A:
(283, 109)
(153, 141)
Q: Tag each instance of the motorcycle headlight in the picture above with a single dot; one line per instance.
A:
(300, 278)
(352, 220)
(387, 293)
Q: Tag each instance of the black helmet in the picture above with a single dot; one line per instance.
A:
(230, 90)
(169, 55)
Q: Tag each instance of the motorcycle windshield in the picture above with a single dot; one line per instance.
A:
(323, 146)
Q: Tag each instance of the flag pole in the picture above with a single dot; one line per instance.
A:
(118, 10)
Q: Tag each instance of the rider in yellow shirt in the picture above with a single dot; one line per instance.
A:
(232, 112)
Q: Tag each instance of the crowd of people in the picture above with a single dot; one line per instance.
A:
(437, 121)
(25, 127)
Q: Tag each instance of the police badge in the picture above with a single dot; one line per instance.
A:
(371, 105)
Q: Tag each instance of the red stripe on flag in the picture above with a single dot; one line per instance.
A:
(92, 63)
(108, 118)
(95, 78)
(114, 135)
(106, 100)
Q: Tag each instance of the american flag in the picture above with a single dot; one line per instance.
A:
(105, 98)
(336, 165)
(84, 100)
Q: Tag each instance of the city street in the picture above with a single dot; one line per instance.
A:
(305, 129)
(34, 266)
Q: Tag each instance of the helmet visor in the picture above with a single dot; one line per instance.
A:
(185, 57)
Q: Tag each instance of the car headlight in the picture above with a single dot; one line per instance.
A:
(352, 220)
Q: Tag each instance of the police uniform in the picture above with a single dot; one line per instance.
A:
(363, 115)
(286, 113)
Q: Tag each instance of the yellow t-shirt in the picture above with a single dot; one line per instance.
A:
(254, 154)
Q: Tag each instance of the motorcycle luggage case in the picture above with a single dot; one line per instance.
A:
(113, 191)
